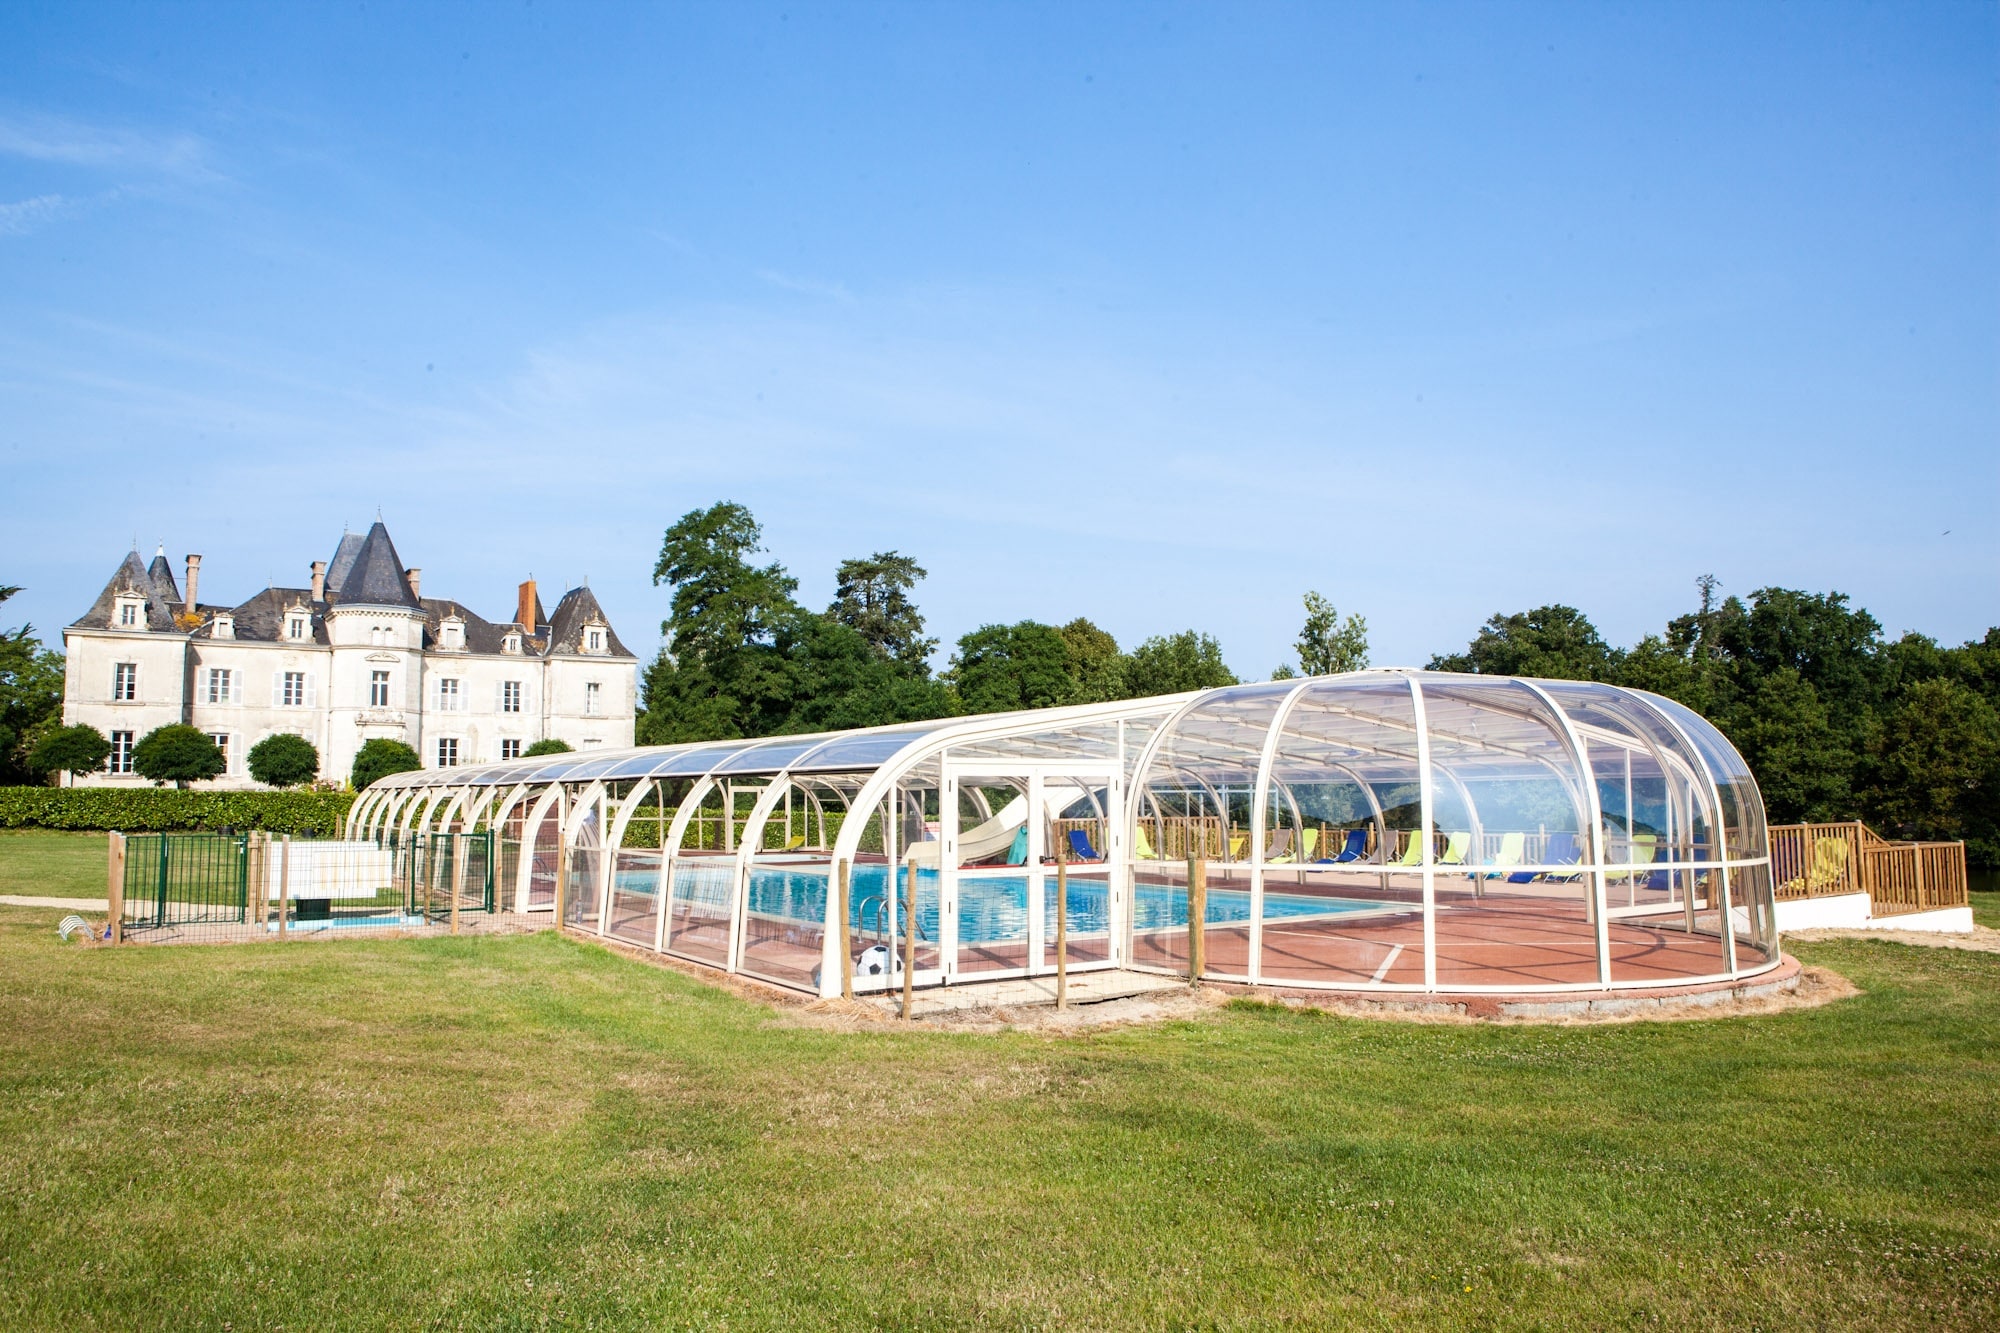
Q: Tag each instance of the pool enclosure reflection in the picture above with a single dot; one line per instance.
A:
(1382, 830)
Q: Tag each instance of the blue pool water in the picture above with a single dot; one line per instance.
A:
(396, 921)
(988, 909)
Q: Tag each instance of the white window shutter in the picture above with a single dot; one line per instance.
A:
(312, 690)
(499, 695)
(277, 688)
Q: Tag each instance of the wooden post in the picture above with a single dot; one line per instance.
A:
(284, 883)
(457, 845)
(1197, 896)
(846, 936)
(910, 947)
(1062, 928)
(115, 888)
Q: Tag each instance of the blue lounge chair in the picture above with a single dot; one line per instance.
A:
(1353, 849)
(1562, 852)
(1079, 844)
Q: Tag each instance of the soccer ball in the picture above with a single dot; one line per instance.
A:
(877, 961)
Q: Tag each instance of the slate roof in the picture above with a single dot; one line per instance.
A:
(578, 608)
(262, 618)
(481, 634)
(365, 571)
(338, 568)
(131, 576)
(377, 577)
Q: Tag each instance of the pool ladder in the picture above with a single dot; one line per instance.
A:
(879, 904)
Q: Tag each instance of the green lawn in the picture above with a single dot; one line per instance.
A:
(528, 1132)
(52, 865)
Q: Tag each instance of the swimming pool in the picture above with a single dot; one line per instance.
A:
(988, 909)
(396, 921)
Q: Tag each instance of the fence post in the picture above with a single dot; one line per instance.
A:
(160, 902)
(1197, 896)
(284, 883)
(846, 937)
(115, 889)
(457, 875)
(910, 942)
(1062, 928)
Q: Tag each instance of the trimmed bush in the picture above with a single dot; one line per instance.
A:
(540, 748)
(284, 760)
(177, 753)
(379, 758)
(163, 810)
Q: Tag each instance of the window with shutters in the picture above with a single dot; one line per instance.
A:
(121, 752)
(221, 739)
(125, 682)
(221, 685)
(378, 689)
(448, 696)
(510, 696)
(510, 749)
(292, 689)
(447, 752)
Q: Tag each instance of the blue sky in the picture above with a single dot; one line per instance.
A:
(1158, 314)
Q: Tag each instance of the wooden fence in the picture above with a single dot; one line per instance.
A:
(1819, 860)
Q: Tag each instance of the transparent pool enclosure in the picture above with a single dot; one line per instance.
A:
(1381, 831)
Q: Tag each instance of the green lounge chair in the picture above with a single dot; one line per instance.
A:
(1455, 847)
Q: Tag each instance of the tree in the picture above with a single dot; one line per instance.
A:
(75, 750)
(1172, 663)
(719, 671)
(837, 679)
(1329, 645)
(1934, 767)
(1554, 642)
(548, 746)
(284, 760)
(1091, 660)
(378, 758)
(1803, 767)
(998, 668)
(872, 597)
(31, 685)
(177, 753)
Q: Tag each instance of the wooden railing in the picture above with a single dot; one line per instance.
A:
(1818, 860)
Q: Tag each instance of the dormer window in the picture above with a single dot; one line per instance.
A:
(593, 639)
(511, 644)
(298, 626)
(131, 613)
(451, 634)
(222, 627)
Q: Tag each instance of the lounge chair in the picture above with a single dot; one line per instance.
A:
(1511, 846)
(1236, 843)
(1562, 851)
(1413, 855)
(1079, 845)
(796, 843)
(1308, 843)
(1279, 850)
(1017, 850)
(1455, 847)
(1142, 846)
(1353, 848)
(1829, 864)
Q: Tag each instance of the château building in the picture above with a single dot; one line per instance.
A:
(358, 655)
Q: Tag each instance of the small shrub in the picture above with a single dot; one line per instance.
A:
(379, 758)
(284, 760)
(79, 749)
(177, 753)
(540, 748)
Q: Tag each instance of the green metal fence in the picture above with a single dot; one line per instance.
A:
(443, 869)
(185, 879)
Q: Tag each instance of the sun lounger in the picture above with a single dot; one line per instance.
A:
(1017, 850)
(1142, 846)
(1511, 845)
(1079, 845)
(1562, 852)
(1353, 848)
(1455, 847)
(1236, 842)
(1279, 850)
(1413, 855)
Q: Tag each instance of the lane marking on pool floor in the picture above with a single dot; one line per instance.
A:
(1383, 970)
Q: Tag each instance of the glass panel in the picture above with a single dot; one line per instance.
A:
(635, 890)
(784, 922)
(1203, 772)
(698, 912)
(547, 846)
(1341, 904)
(1086, 921)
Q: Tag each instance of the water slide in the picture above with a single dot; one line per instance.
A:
(992, 837)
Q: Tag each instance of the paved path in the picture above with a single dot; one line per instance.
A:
(74, 904)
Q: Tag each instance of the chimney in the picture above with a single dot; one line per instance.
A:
(524, 611)
(193, 582)
(319, 580)
(416, 578)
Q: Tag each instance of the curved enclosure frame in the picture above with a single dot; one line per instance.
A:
(1395, 831)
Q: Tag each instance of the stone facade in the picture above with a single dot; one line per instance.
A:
(357, 655)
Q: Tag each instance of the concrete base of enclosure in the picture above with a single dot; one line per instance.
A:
(1782, 980)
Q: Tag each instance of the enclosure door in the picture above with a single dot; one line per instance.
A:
(998, 915)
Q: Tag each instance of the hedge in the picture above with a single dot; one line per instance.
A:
(164, 810)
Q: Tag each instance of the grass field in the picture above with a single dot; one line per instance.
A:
(52, 865)
(528, 1132)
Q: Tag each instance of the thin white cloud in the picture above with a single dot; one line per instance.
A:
(18, 219)
(107, 148)
(830, 291)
